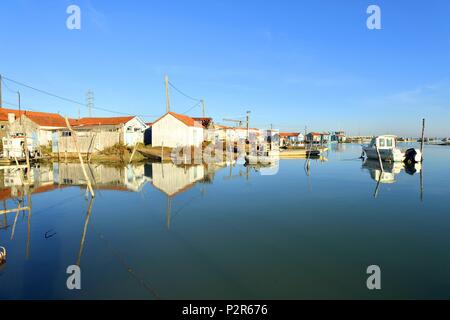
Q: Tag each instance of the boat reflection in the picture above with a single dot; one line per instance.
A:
(388, 172)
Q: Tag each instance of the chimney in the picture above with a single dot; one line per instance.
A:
(11, 118)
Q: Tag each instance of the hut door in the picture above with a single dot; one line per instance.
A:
(55, 142)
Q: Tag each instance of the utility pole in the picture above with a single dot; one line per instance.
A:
(90, 102)
(20, 114)
(166, 80)
(422, 139)
(203, 108)
(1, 98)
(25, 142)
(248, 125)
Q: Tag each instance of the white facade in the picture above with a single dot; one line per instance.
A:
(133, 131)
(172, 132)
(40, 135)
(237, 134)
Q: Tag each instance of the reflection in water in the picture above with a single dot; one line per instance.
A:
(388, 173)
(83, 237)
(152, 245)
(172, 179)
(390, 170)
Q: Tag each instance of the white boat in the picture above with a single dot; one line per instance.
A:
(261, 158)
(388, 150)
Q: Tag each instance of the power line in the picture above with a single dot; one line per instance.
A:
(74, 101)
(184, 94)
(44, 92)
(7, 87)
(195, 105)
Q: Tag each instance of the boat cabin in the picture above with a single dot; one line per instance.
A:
(384, 142)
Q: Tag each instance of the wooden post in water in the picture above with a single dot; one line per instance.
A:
(22, 179)
(27, 156)
(83, 237)
(75, 141)
(423, 137)
(28, 191)
(168, 211)
(379, 158)
(25, 145)
(134, 151)
(421, 183)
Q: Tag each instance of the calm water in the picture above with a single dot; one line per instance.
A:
(164, 232)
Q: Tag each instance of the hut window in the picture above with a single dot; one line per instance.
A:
(382, 142)
(67, 134)
(389, 142)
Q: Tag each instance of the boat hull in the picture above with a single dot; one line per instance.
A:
(393, 155)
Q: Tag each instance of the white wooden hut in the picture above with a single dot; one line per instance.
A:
(176, 130)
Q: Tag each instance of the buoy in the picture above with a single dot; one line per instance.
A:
(2, 255)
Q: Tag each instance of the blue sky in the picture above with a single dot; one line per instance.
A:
(292, 63)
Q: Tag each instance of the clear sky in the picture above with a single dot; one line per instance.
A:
(292, 63)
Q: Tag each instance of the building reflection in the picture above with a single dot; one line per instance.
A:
(172, 179)
(168, 178)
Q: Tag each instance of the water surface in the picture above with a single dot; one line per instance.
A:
(158, 231)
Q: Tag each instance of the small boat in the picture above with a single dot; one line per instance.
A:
(386, 147)
(261, 157)
(303, 153)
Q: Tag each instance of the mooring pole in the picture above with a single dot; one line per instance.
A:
(75, 141)
(379, 158)
(423, 137)
(83, 237)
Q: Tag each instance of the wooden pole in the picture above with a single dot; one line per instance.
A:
(14, 210)
(29, 223)
(168, 211)
(132, 154)
(1, 98)
(14, 224)
(27, 156)
(379, 158)
(22, 179)
(421, 183)
(248, 125)
(423, 137)
(162, 151)
(166, 80)
(75, 141)
(25, 144)
(83, 237)
(375, 194)
(203, 108)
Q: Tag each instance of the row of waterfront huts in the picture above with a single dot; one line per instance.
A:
(50, 131)
(298, 138)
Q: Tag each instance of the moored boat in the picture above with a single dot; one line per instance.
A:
(385, 147)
